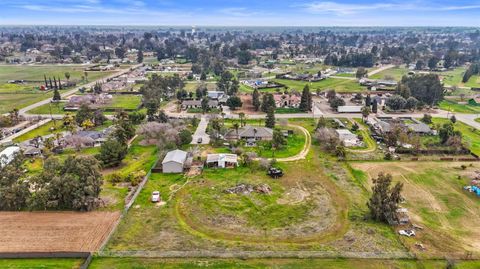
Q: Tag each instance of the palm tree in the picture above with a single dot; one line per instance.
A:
(365, 112)
(241, 115)
(236, 127)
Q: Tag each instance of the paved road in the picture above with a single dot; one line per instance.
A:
(24, 131)
(201, 132)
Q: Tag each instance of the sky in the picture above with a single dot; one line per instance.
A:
(241, 12)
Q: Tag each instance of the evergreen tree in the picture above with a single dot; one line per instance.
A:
(306, 100)
(256, 99)
(374, 106)
(140, 56)
(368, 100)
(46, 82)
(56, 96)
(55, 83)
(270, 119)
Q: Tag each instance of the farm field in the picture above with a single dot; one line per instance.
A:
(54, 231)
(18, 96)
(436, 201)
(340, 85)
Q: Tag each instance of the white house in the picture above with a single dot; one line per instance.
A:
(174, 161)
(7, 155)
(349, 109)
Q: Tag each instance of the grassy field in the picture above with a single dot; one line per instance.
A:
(453, 106)
(473, 82)
(124, 263)
(125, 101)
(18, 96)
(395, 73)
(40, 263)
(340, 85)
(50, 127)
(469, 134)
(436, 201)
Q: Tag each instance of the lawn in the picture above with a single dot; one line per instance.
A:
(473, 82)
(287, 110)
(124, 101)
(340, 85)
(469, 134)
(436, 201)
(51, 127)
(395, 73)
(453, 106)
(40, 263)
(36, 72)
(452, 77)
(146, 263)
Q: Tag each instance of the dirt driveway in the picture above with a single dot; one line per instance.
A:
(54, 231)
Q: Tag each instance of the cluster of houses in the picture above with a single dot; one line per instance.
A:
(92, 100)
(380, 84)
(178, 161)
(215, 99)
(383, 125)
(301, 77)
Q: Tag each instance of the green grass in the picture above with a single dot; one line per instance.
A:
(40, 263)
(453, 77)
(396, 73)
(473, 82)
(125, 101)
(453, 106)
(36, 72)
(287, 110)
(50, 127)
(340, 85)
(124, 263)
(54, 108)
(469, 134)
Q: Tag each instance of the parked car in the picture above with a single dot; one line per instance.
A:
(199, 140)
(155, 197)
(408, 233)
(275, 172)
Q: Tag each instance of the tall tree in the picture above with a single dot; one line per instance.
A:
(256, 99)
(270, 119)
(306, 100)
(140, 56)
(56, 96)
(384, 200)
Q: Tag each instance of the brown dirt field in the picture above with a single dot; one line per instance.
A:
(247, 106)
(54, 231)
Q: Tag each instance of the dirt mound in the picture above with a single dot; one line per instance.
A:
(248, 188)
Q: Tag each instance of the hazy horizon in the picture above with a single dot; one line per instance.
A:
(302, 13)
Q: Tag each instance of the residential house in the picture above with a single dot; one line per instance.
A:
(348, 138)
(248, 132)
(186, 104)
(287, 100)
(349, 109)
(7, 155)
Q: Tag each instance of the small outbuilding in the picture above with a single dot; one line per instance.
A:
(174, 161)
(222, 160)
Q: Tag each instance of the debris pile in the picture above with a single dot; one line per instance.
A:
(248, 188)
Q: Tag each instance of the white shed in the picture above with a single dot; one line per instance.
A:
(174, 161)
(7, 155)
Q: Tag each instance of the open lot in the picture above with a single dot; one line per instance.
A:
(469, 134)
(436, 201)
(339, 85)
(54, 231)
(40, 263)
(453, 106)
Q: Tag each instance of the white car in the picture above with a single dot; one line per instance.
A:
(155, 197)
(408, 233)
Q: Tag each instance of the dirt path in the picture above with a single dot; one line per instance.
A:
(306, 147)
(383, 68)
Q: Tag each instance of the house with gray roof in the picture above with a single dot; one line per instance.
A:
(249, 132)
